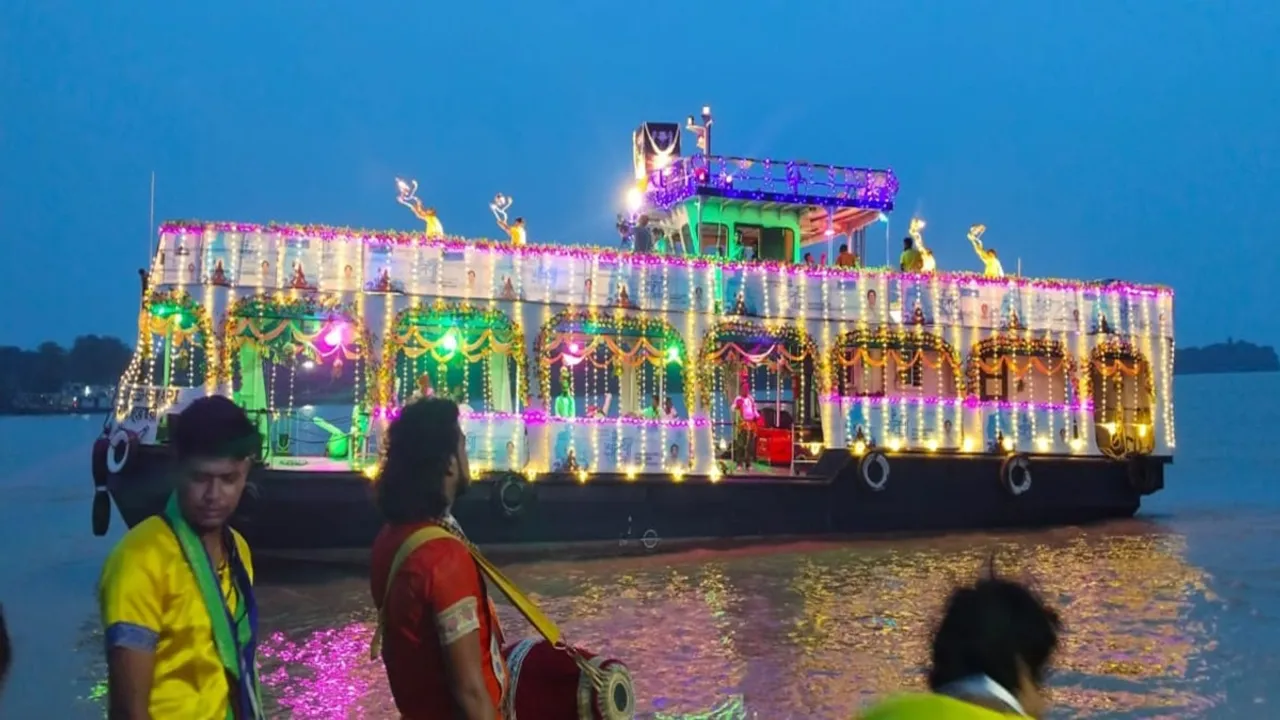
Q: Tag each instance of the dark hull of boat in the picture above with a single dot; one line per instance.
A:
(924, 493)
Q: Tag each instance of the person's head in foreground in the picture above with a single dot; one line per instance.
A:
(425, 469)
(990, 657)
(214, 443)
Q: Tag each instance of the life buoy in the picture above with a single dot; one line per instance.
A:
(120, 448)
(512, 495)
(874, 459)
(1015, 474)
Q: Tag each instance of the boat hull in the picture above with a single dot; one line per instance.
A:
(313, 510)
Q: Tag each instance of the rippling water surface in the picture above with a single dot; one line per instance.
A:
(1173, 614)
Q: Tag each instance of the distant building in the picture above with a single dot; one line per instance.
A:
(82, 397)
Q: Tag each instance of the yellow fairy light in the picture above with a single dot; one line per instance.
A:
(530, 474)
(1006, 444)
(582, 477)
(967, 445)
(859, 447)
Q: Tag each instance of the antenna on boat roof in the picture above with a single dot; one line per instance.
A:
(151, 220)
(1019, 267)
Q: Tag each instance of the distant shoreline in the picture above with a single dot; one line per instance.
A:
(1232, 356)
(16, 412)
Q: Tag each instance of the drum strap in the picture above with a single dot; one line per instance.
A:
(545, 626)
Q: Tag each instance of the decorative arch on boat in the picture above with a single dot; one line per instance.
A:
(320, 328)
(621, 343)
(1120, 384)
(1000, 365)
(909, 350)
(186, 328)
(455, 335)
(735, 343)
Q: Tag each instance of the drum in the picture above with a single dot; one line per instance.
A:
(546, 683)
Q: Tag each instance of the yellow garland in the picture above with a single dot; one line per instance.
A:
(406, 338)
(1006, 348)
(237, 330)
(152, 325)
(854, 348)
(550, 337)
(713, 350)
(1108, 359)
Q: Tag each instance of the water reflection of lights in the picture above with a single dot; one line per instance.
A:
(816, 633)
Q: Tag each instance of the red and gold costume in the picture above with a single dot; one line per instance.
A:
(437, 597)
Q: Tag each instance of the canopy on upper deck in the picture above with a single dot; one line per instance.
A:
(768, 181)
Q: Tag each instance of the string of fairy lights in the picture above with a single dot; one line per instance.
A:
(873, 344)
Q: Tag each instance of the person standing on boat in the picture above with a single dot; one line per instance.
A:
(990, 657)
(176, 593)
(642, 236)
(845, 258)
(745, 418)
(441, 642)
(516, 231)
(991, 266)
(910, 261)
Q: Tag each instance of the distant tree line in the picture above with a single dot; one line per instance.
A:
(1232, 356)
(92, 359)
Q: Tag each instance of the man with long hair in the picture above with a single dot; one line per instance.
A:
(441, 642)
(990, 657)
(176, 593)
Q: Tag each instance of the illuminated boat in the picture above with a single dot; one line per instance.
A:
(598, 385)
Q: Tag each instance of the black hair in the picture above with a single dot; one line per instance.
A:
(907, 241)
(992, 628)
(420, 445)
(844, 248)
(519, 220)
(214, 427)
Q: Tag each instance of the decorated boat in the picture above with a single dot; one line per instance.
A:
(738, 376)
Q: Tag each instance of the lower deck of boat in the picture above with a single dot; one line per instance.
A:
(322, 506)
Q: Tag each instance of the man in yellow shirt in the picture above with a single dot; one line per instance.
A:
(991, 653)
(176, 594)
(516, 231)
(910, 261)
(991, 265)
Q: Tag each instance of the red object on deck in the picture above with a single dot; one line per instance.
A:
(546, 684)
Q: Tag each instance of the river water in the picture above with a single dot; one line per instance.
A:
(1173, 614)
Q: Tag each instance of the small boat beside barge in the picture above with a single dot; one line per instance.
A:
(599, 387)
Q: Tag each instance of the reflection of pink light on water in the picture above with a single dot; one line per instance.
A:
(327, 675)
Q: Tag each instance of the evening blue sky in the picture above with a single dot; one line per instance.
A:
(1095, 139)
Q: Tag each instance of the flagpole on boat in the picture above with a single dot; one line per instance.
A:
(151, 221)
